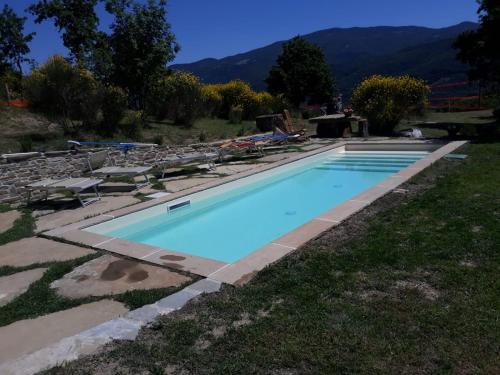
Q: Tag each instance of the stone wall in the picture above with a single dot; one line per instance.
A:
(15, 175)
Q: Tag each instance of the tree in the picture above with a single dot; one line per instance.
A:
(385, 101)
(141, 45)
(178, 96)
(480, 48)
(301, 74)
(76, 19)
(13, 41)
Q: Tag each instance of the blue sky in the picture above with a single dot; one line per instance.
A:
(218, 28)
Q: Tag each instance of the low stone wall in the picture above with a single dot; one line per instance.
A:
(15, 175)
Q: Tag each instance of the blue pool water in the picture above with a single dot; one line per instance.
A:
(231, 225)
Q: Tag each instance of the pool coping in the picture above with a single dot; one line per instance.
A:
(245, 268)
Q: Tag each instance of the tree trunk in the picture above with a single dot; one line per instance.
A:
(7, 92)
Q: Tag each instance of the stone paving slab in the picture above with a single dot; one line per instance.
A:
(61, 218)
(38, 250)
(234, 169)
(277, 157)
(183, 184)
(89, 341)
(27, 336)
(7, 219)
(112, 275)
(14, 285)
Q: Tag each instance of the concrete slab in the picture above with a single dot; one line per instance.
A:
(177, 300)
(111, 275)
(343, 211)
(178, 185)
(244, 270)
(65, 217)
(185, 262)
(38, 250)
(234, 169)
(27, 336)
(128, 248)
(277, 157)
(304, 233)
(312, 146)
(18, 283)
(7, 219)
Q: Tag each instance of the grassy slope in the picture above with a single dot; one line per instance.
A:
(415, 291)
(18, 124)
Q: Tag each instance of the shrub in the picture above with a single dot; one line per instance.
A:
(239, 94)
(177, 96)
(385, 101)
(234, 94)
(202, 137)
(496, 113)
(235, 114)
(26, 143)
(132, 124)
(158, 139)
(60, 89)
(212, 100)
(10, 85)
(113, 106)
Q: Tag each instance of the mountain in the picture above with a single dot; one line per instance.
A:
(353, 54)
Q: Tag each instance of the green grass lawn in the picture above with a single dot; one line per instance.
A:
(23, 227)
(408, 286)
(470, 120)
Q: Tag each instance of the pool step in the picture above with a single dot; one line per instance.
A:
(374, 164)
(381, 162)
(360, 169)
(411, 159)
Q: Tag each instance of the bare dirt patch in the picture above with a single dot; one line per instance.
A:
(427, 291)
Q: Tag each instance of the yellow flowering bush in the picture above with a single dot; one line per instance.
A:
(212, 100)
(178, 96)
(59, 88)
(385, 101)
(239, 94)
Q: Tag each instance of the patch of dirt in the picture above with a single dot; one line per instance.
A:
(374, 295)
(468, 264)
(477, 229)
(243, 321)
(425, 289)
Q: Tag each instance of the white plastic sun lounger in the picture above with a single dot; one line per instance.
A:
(172, 160)
(96, 161)
(74, 185)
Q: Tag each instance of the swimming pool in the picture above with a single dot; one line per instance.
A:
(229, 222)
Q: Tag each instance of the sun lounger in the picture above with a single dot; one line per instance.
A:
(273, 138)
(74, 185)
(235, 146)
(172, 160)
(287, 126)
(96, 160)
